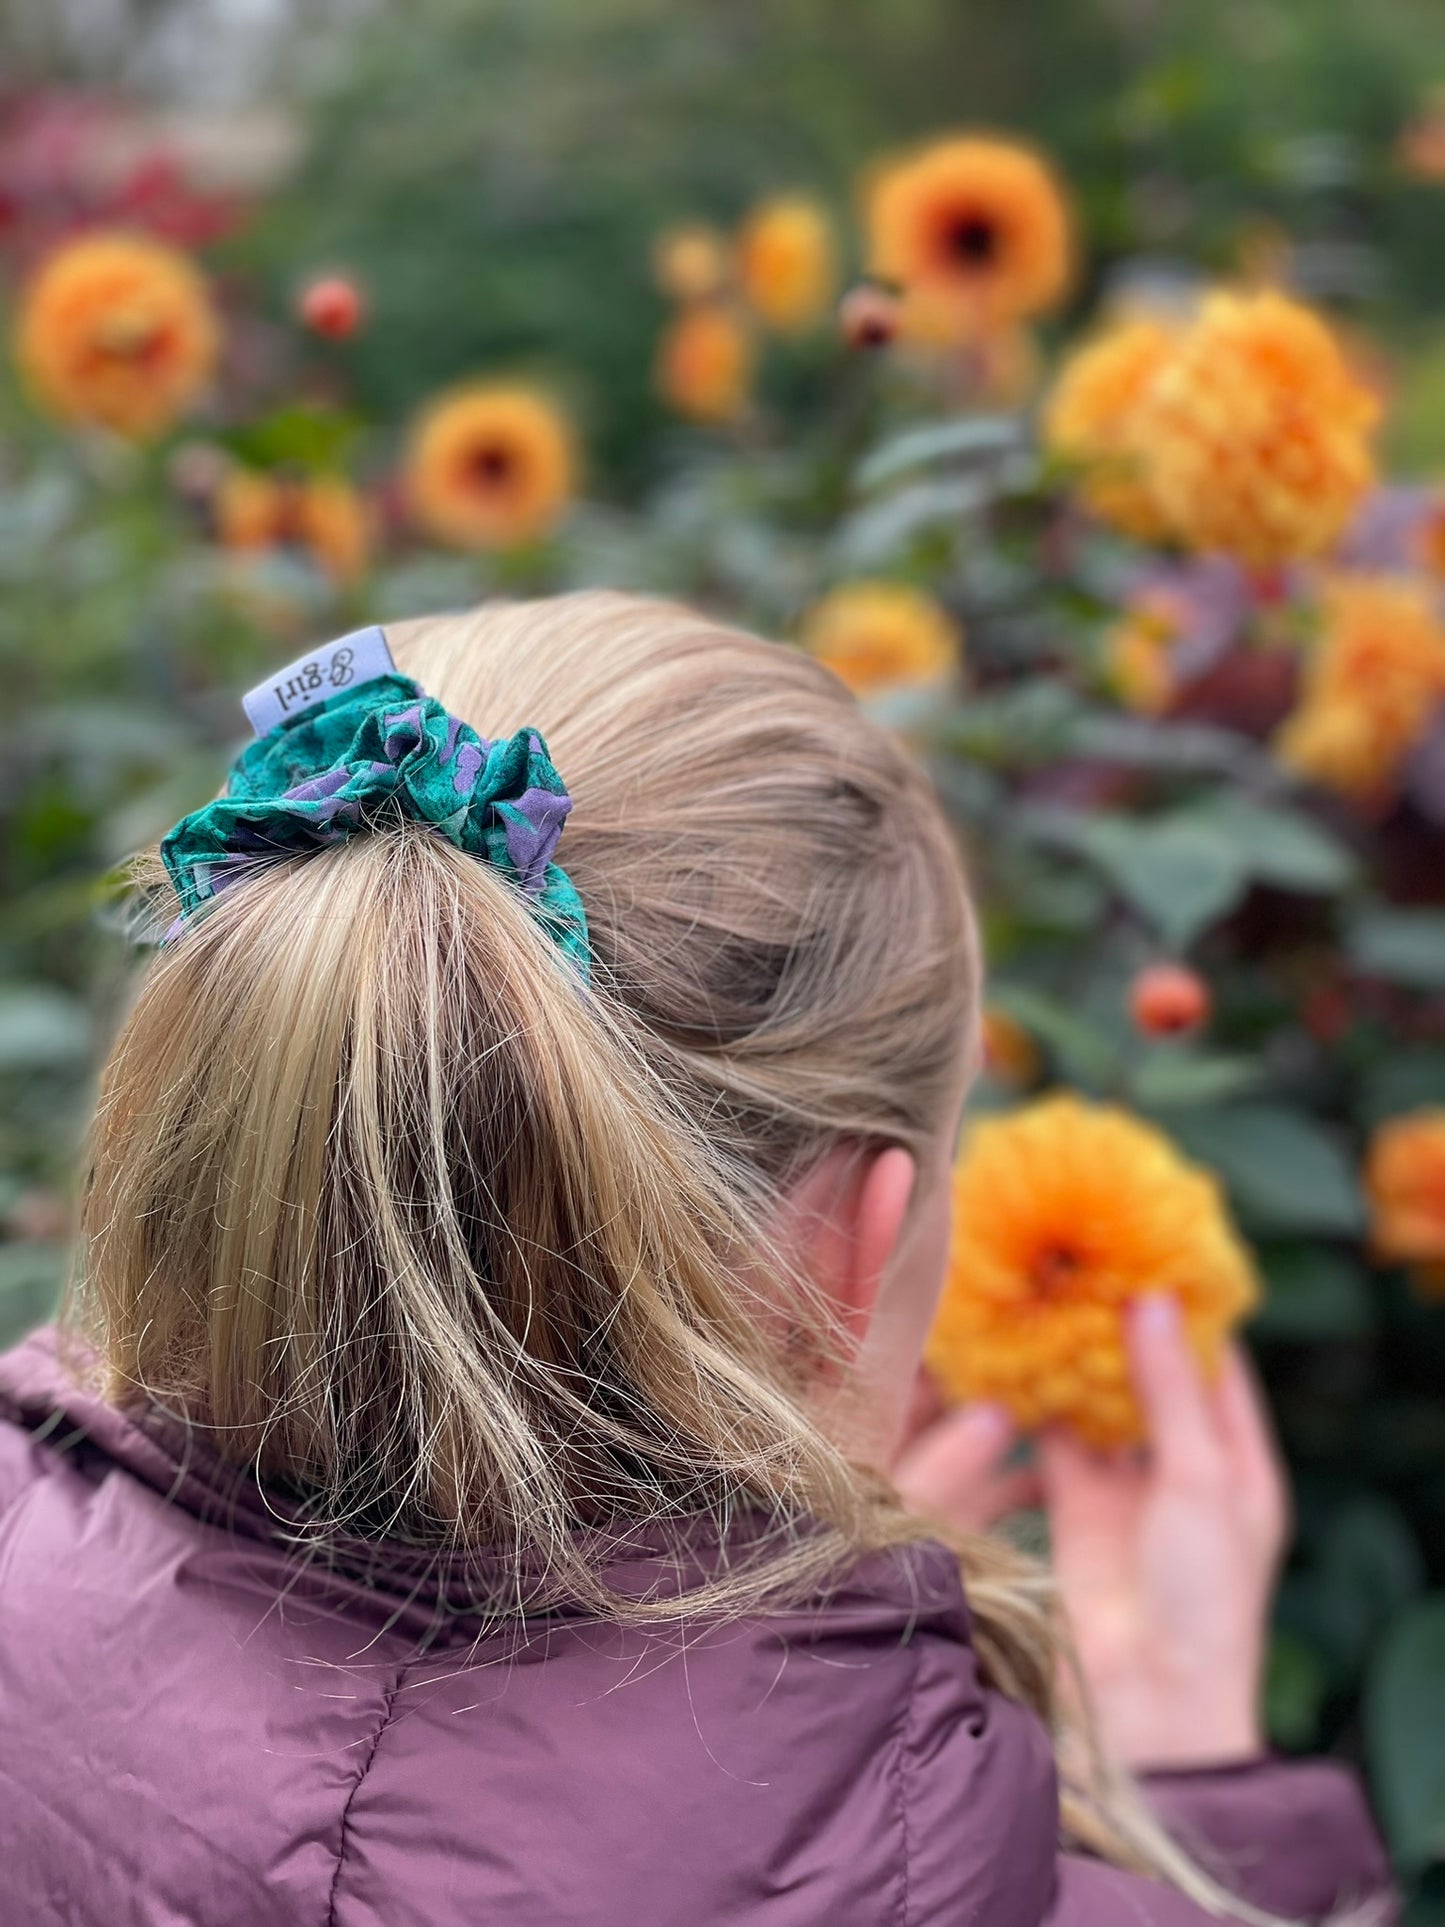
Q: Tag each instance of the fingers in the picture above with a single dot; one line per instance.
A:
(1184, 1430)
(1085, 1491)
(947, 1467)
(1249, 1440)
(925, 1408)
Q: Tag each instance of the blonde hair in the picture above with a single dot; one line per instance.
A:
(380, 1195)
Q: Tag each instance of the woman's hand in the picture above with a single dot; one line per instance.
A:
(951, 1463)
(1167, 1562)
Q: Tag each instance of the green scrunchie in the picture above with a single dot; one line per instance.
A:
(319, 777)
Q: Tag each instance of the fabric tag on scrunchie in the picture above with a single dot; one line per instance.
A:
(302, 684)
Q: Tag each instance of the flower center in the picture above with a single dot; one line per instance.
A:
(972, 240)
(492, 465)
(1054, 1269)
(131, 335)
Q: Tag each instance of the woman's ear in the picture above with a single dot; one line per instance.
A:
(886, 1186)
(848, 1218)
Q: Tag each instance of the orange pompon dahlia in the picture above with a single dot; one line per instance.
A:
(1257, 433)
(705, 364)
(691, 263)
(1065, 1211)
(489, 467)
(1090, 423)
(1372, 683)
(323, 516)
(975, 231)
(117, 331)
(1405, 1182)
(882, 635)
(788, 262)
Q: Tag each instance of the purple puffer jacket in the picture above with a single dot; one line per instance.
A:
(194, 1735)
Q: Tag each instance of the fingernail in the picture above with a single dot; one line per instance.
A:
(990, 1424)
(1157, 1313)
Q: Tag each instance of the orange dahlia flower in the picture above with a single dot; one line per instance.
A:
(1405, 1181)
(1372, 683)
(691, 263)
(1009, 1053)
(1064, 1212)
(1256, 432)
(882, 635)
(788, 262)
(322, 515)
(1090, 423)
(973, 229)
(705, 364)
(1420, 148)
(118, 331)
(489, 467)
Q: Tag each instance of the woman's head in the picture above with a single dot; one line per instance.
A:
(382, 1195)
(474, 1256)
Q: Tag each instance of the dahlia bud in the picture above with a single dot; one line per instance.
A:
(1169, 1000)
(868, 316)
(332, 307)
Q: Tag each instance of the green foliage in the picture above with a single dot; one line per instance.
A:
(1405, 1711)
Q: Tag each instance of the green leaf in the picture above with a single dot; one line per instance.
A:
(1180, 875)
(1401, 1081)
(1313, 1292)
(1405, 1732)
(1296, 1683)
(1404, 946)
(1279, 846)
(1173, 747)
(1018, 728)
(41, 1028)
(1085, 1053)
(883, 531)
(309, 437)
(1283, 1171)
(31, 1275)
(1169, 1076)
(977, 435)
(1371, 1558)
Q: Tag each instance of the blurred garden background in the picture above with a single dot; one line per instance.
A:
(1071, 375)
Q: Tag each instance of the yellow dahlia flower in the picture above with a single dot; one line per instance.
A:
(1373, 679)
(490, 467)
(1256, 432)
(976, 231)
(118, 331)
(691, 263)
(1405, 1182)
(882, 635)
(1090, 422)
(705, 364)
(788, 262)
(1137, 651)
(1064, 1212)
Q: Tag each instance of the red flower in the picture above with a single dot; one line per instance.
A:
(1169, 1000)
(332, 307)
